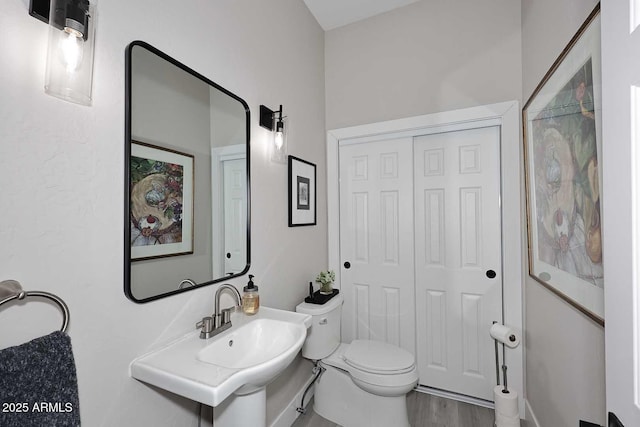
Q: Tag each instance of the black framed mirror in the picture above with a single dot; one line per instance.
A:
(187, 187)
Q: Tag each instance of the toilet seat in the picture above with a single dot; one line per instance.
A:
(395, 380)
(377, 357)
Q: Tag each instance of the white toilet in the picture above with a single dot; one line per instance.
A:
(365, 382)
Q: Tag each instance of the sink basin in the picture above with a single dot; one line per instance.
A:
(256, 343)
(238, 361)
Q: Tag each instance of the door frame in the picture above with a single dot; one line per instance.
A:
(507, 116)
(621, 207)
(219, 155)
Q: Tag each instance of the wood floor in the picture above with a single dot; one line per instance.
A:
(425, 410)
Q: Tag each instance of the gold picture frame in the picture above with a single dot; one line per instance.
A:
(562, 146)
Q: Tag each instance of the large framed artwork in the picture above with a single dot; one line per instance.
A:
(161, 209)
(563, 148)
(302, 192)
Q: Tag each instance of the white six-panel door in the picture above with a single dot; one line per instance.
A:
(376, 229)
(235, 213)
(420, 232)
(458, 258)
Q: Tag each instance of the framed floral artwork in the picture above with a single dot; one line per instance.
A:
(161, 209)
(563, 148)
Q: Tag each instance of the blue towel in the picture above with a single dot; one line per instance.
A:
(38, 384)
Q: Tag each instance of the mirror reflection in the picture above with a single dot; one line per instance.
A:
(187, 196)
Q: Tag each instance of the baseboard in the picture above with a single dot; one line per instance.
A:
(290, 413)
(530, 416)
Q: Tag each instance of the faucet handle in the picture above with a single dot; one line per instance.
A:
(226, 316)
(206, 324)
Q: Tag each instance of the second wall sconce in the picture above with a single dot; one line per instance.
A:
(72, 24)
(275, 121)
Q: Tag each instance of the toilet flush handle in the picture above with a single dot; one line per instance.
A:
(323, 321)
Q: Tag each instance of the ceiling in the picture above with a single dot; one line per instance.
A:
(332, 14)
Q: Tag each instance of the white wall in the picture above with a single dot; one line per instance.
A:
(426, 57)
(61, 175)
(564, 349)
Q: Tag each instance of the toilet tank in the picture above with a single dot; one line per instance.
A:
(323, 337)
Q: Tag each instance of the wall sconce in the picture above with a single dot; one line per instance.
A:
(72, 24)
(274, 120)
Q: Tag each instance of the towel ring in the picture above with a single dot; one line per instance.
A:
(63, 307)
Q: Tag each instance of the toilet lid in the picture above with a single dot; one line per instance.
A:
(378, 357)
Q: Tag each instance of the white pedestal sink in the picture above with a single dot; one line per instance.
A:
(228, 371)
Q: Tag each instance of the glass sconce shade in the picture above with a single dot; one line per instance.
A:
(69, 71)
(278, 124)
(279, 140)
(279, 149)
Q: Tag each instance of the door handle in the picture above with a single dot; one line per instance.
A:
(347, 265)
(490, 274)
(228, 255)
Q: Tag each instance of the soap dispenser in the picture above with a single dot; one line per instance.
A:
(250, 298)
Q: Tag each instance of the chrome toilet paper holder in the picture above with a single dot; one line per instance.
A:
(511, 338)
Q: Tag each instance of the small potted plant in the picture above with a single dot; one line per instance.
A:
(326, 279)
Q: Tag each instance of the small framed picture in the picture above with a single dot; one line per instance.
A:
(161, 207)
(302, 192)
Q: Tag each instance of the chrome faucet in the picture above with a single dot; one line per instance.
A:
(221, 320)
